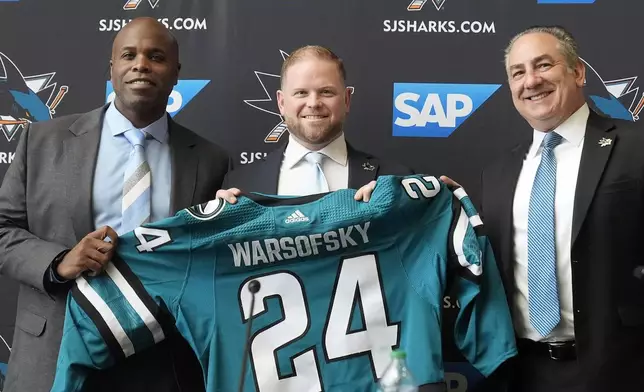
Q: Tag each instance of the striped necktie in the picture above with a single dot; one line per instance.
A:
(135, 206)
(543, 295)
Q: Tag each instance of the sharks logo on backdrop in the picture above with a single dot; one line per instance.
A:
(616, 98)
(267, 103)
(25, 99)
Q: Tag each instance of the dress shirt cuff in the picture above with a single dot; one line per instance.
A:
(52, 279)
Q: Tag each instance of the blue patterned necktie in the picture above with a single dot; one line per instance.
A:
(135, 206)
(318, 183)
(543, 296)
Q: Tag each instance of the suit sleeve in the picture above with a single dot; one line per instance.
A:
(483, 330)
(23, 256)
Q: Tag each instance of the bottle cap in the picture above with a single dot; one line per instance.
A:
(398, 354)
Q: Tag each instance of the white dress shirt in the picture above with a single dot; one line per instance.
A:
(568, 155)
(293, 172)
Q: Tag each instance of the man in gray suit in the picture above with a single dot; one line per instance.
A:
(65, 195)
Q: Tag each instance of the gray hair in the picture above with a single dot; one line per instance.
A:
(567, 44)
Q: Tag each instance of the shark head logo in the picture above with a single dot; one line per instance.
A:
(615, 98)
(134, 4)
(268, 104)
(417, 5)
(25, 99)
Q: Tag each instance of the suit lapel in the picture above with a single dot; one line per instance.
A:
(268, 173)
(81, 151)
(594, 157)
(362, 167)
(506, 187)
(184, 166)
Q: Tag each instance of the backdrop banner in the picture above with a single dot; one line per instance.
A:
(430, 88)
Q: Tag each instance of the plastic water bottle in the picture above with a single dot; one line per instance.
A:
(397, 377)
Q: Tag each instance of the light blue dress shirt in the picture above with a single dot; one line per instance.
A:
(113, 153)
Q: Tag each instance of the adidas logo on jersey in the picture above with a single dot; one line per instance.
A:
(297, 216)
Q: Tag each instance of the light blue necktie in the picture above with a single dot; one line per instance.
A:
(543, 296)
(317, 183)
(136, 186)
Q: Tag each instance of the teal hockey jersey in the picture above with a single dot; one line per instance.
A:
(342, 284)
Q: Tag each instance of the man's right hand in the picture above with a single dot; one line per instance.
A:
(449, 181)
(230, 195)
(91, 253)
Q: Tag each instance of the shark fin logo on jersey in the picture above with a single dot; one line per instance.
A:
(615, 98)
(207, 211)
(25, 99)
(417, 5)
(181, 95)
(270, 83)
(134, 4)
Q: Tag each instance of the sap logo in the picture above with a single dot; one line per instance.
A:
(183, 93)
(565, 1)
(436, 110)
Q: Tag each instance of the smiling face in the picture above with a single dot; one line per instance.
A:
(314, 101)
(144, 68)
(545, 89)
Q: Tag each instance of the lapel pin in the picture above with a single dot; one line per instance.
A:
(603, 142)
(368, 166)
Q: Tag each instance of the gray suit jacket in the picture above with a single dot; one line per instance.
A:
(45, 207)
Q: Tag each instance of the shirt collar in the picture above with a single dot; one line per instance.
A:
(572, 130)
(118, 124)
(336, 150)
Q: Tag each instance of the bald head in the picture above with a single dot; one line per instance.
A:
(144, 68)
(149, 25)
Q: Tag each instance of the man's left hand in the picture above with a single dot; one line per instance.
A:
(364, 193)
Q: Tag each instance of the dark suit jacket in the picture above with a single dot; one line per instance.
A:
(608, 225)
(263, 176)
(45, 207)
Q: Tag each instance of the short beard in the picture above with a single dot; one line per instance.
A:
(328, 135)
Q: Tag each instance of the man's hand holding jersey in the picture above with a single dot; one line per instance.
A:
(90, 254)
(364, 193)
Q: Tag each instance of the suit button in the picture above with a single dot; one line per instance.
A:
(575, 261)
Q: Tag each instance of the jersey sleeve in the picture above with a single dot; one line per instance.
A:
(108, 318)
(483, 329)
